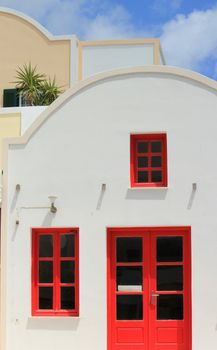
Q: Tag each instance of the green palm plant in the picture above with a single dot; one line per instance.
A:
(49, 92)
(29, 83)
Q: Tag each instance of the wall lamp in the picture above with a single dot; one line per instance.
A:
(52, 199)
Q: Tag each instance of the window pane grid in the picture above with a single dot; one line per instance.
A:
(170, 292)
(169, 263)
(129, 303)
(130, 264)
(148, 163)
(56, 299)
(149, 169)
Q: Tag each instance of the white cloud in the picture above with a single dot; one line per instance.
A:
(33, 8)
(163, 6)
(89, 19)
(116, 23)
(92, 20)
(189, 40)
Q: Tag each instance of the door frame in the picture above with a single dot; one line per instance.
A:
(111, 231)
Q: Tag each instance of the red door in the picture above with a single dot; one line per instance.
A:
(149, 288)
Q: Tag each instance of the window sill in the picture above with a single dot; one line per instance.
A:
(55, 317)
(148, 188)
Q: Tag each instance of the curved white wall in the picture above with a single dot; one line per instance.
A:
(86, 142)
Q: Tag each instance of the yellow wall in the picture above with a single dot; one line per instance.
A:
(21, 42)
(9, 127)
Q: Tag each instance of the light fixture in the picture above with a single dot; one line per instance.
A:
(52, 199)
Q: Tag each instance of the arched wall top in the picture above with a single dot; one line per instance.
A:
(174, 72)
(35, 24)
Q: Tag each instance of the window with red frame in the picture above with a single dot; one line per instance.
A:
(148, 160)
(55, 272)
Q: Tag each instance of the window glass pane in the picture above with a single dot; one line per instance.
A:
(45, 246)
(129, 249)
(129, 307)
(142, 147)
(156, 176)
(170, 307)
(156, 146)
(67, 246)
(170, 278)
(67, 298)
(142, 162)
(67, 271)
(156, 162)
(169, 249)
(129, 276)
(45, 298)
(45, 271)
(142, 176)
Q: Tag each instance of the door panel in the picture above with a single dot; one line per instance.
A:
(149, 289)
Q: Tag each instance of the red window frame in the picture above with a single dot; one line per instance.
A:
(134, 169)
(56, 284)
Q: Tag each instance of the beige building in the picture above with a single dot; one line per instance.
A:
(23, 41)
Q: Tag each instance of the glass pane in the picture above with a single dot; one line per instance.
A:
(67, 244)
(170, 278)
(156, 146)
(129, 249)
(142, 162)
(169, 249)
(67, 298)
(170, 307)
(45, 298)
(156, 162)
(156, 176)
(67, 272)
(142, 147)
(129, 307)
(45, 272)
(142, 176)
(129, 276)
(45, 246)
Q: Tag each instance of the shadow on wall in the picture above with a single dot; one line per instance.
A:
(192, 196)
(53, 323)
(146, 194)
(47, 222)
(48, 219)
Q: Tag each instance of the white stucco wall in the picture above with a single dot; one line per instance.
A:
(85, 143)
(102, 58)
(28, 114)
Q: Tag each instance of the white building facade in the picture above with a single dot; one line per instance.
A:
(128, 260)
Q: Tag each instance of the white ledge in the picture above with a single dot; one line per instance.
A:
(147, 188)
(55, 318)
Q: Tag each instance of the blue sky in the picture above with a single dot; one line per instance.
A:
(187, 28)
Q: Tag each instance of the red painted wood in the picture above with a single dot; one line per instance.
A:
(150, 333)
(56, 285)
(134, 139)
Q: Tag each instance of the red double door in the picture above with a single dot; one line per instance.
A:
(149, 288)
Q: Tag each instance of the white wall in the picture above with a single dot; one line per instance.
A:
(85, 143)
(96, 59)
(28, 114)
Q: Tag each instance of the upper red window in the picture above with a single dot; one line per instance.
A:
(55, 272)
(148, 160)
